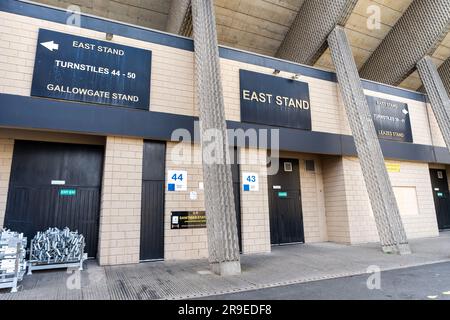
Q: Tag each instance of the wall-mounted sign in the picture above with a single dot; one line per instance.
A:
(188, 220)
(68, 192)
(282, 194)
(393, 167)
(273, 100)
(250, 181)
(177, 180)
(75, 68)
(391, 119)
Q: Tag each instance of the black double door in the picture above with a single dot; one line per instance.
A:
(286, 220)
(441, 197)
(55, 185)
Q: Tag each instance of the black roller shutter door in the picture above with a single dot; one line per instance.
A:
(35, 204)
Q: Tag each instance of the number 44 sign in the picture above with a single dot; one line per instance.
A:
(250, 181)
(177, 180)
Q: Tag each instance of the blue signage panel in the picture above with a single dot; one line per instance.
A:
(391, 119)
(272, 100)
(81, 69)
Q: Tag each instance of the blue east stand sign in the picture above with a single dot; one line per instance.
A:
(76, 68)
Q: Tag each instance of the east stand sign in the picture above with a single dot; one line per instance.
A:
(273, 100)
(81, 69)
(391, 119)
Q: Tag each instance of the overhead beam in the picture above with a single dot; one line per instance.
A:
(306, 40)
(416, 34)
(179, 20)
(381, 195)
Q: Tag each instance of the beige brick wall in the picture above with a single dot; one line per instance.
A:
(255, 204)
(120, 211)
(172, 79)
(335, 195)
(361, 221)
(6, 153)
(184, 243)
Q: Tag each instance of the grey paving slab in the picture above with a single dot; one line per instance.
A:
(190, 279)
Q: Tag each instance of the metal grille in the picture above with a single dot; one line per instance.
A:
(306, 40)
(416, 34)
(381, 195)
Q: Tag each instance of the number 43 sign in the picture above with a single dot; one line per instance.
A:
(177, 180)
(250, 181)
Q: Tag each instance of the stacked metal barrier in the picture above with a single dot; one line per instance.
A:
(12, 258)
(55, 248)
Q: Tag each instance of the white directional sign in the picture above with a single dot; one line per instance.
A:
(50, 45)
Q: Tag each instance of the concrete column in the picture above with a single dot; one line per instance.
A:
(307, 38)
(223, 245)
(417, 33)
(179, 20)
(444, 73)
(381, 195)
(440, 101)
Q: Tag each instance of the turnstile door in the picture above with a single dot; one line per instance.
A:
(441, 197)
(286, 220)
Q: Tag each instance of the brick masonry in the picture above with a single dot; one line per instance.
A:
(334, 201)
(6, 153)
(120, 211)
(349, 216)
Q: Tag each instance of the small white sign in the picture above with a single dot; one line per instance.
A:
(250, 181)
(58, 182)
(193, 195)
(201, 186)
(177, 180)
(175, 220)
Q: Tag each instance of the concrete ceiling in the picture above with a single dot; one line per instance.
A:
(261, 25)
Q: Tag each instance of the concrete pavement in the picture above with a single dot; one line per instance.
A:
(428, 282)
(191, 279)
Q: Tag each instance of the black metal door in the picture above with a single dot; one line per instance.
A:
(441, 197)
(286, 220)
(152, 212)
(55, 185)
(235, 170)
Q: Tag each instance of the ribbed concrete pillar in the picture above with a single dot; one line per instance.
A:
(416, 34)
(444, 73)
(307, 38)
(381, 195)
(179, 20)
(223, 242)
(439, 99)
